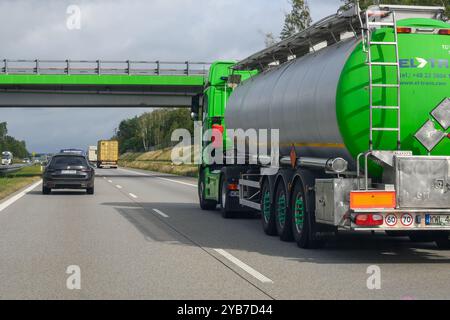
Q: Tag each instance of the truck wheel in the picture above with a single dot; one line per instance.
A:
(46, 190)
(443, 241)
(283, 219)
(224, 203)
(302, 220)
(267, 214)
(204, 204)
(422, 236)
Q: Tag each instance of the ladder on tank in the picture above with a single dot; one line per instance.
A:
(370, 26)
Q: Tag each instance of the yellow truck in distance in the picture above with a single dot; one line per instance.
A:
(107, 153)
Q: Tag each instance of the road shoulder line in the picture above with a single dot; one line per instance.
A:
(10, 201)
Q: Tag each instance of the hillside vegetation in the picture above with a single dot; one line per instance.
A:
(158, 161)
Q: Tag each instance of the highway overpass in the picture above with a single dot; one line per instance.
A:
(98, 84)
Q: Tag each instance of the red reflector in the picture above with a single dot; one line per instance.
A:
(444, 31)
(218, 127)
(217, 130)
(369, 220)
(233, 187)
(404, 30)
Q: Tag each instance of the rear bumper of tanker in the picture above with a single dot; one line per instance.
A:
(397, 220)
(415, 196)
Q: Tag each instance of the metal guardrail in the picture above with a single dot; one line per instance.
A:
(102, 67)
(12, 168)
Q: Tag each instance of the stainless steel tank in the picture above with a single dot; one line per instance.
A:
(299, 99)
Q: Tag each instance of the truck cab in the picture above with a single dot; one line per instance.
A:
(7, 158)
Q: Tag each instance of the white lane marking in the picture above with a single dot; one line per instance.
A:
(162, 214)
(243, 266)
(160, 178)
(110, 181)
(133, 195)
(118, 186)
(179, 182)
(10, 201)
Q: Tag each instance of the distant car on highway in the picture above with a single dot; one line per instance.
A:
(68, 171)
(7, 158)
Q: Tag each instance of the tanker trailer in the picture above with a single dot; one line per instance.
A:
(363, 126)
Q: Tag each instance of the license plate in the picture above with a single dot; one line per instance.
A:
(69, 172)
(437, 220)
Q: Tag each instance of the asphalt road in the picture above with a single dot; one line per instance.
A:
(143, 236)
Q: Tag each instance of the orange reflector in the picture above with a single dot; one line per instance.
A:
(444, 31)
(372, 200)
(233, 187)
(404, 30)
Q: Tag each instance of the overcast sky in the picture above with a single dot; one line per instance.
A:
(179, 30)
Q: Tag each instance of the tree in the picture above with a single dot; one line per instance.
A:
(3, 130)
(152, 130)
(297, 20)
(8, 143)
(269, 39)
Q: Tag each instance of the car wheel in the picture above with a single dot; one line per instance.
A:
(90, 190)
(46, 190)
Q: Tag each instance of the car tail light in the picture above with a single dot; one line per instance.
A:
(404, 30)
(369, 220)
(372, 200)
(444, 32)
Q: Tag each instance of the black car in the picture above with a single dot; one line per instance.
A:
(68, 171)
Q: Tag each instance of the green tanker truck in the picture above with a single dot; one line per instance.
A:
(358, 106)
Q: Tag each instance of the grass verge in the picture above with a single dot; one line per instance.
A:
(158, 161)
(18, 180)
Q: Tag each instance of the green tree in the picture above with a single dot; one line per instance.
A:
(8, 143)
(297, 20)
(3, 130)
(152, 130)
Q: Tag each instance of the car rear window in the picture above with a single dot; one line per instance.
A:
(68, 161)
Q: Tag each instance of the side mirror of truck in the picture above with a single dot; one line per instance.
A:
(195, 107)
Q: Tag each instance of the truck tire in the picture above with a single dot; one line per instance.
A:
(303, 220)
(267, 212)
(46, 190)
(204, 204)
(443, 242)
(423, 236)
(227, 213)
(283, 217)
